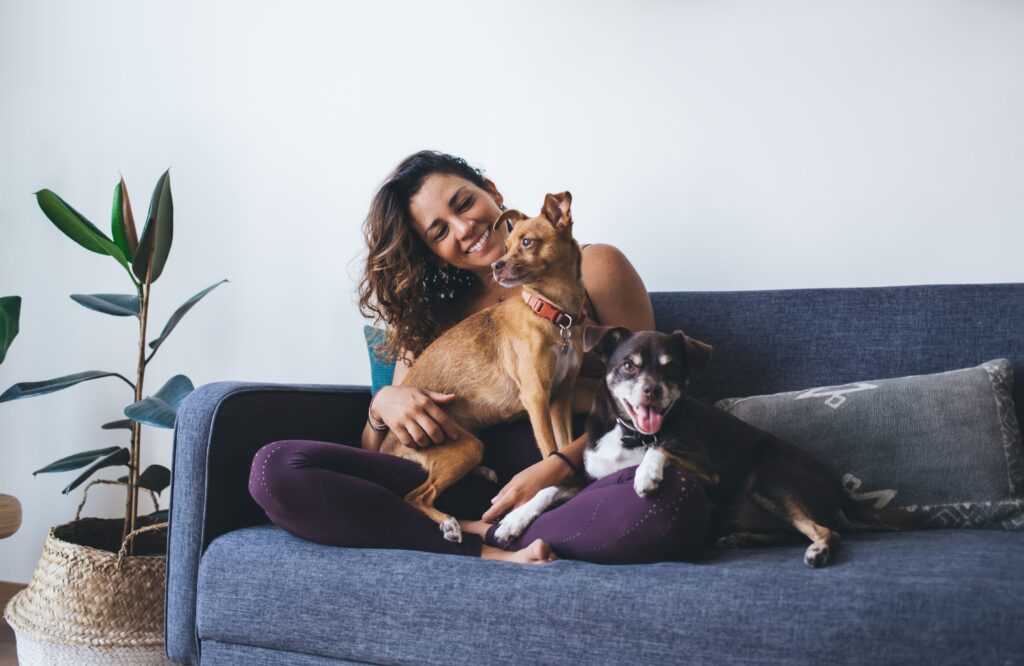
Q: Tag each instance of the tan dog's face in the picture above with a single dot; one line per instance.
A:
(534, 244)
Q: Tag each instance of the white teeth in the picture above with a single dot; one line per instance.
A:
(480, 243)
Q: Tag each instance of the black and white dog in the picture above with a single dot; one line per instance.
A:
(763, 489)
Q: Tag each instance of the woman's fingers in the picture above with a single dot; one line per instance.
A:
(443, 421)
(417, 436)
(430, 427)
(443, 398)
(502, 503)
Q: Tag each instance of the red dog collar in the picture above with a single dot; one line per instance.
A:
(550, 312)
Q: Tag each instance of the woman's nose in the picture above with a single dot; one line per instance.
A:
(463, 228)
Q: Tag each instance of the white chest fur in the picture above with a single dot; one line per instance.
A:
(609, 456)
(563, 363)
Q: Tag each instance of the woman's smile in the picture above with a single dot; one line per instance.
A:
(479, 245)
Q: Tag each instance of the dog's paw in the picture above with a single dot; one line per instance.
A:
(515, 523)
(647, 479)
(816, 555)
(486, 473)
(729, 541)
(452, 530)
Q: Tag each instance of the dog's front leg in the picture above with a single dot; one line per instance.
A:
(517, 520)
(650, 472)
(561, 412)
(535, 398)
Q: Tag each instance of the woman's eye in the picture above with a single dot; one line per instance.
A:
(527, 242)
(441, 234)
(466, 203)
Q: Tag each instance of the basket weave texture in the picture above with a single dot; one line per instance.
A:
(81, 595)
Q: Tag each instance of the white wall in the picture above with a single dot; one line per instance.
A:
(721, 145)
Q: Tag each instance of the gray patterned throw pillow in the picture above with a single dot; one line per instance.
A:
(946, 446)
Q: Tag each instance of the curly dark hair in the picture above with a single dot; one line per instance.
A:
(393, 290)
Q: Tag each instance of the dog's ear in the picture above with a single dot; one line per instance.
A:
(698, 353)
(556, 210)
(509, 217)
(602, 340)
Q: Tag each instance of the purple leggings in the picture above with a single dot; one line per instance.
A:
(346, 496)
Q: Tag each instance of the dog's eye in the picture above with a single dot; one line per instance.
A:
(527, 242)
(628, 365)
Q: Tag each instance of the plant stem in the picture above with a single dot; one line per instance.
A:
(132, 511)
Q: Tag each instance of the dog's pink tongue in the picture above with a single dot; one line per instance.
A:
(648, 420)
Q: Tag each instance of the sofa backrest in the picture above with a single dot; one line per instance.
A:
(773, 341)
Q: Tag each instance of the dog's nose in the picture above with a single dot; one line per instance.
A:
(652, 391)
(498, 265)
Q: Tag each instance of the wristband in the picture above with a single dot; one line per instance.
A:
(566, 460)
(375, 423)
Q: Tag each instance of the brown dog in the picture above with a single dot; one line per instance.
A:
(521, 354)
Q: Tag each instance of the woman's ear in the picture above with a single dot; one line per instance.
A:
(492, 189)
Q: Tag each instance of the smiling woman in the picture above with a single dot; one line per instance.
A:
(429, 240)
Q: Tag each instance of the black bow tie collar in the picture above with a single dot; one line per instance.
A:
(633, 438)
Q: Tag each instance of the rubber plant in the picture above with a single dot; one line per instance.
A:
(143, 259)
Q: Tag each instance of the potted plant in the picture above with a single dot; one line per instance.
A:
(113, 567)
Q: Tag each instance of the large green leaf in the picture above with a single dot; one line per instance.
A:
(76, 460)
(122, 221)
(119, 305)
(76, 227)
(161, 409)
(121, 456)
(155, 478)
(155, 243)
(180, 312)
(29, 389)
(10, 313)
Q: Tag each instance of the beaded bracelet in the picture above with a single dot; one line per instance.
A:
(565, 459)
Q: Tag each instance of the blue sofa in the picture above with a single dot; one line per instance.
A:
(240, 590)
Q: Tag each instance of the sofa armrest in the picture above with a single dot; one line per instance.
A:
(218, 431)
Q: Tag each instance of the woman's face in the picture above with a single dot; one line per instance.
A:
(454, 218)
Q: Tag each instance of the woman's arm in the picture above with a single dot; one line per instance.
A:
(414, 415)
(616, 290)
(620, 299)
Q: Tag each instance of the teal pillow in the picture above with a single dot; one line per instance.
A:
(382, 373)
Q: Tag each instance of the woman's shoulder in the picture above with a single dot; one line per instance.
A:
(615, 289)
(604, 265)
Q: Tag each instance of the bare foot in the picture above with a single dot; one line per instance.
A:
(538, 552)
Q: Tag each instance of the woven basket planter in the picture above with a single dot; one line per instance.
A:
(88, 602)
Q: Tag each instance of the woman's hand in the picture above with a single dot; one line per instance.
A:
(525, 485)
(414, 415)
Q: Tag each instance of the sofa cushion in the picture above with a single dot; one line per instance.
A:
(382, 373)
(946, 446)
(944, 597)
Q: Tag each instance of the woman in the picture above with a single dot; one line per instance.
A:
(429, 267)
